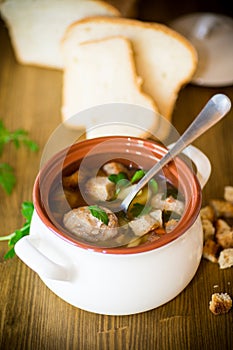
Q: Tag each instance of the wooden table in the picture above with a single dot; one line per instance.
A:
(31, 316)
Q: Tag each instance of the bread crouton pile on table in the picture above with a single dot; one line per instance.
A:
(217, 222)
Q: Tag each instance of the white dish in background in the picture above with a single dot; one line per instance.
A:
(212, 36)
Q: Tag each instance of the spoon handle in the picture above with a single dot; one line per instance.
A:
(215, 109)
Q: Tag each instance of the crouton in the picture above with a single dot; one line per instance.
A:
(224, 234)
(222, 225)
(211, 250)
(225, 259)
(207, 213)
(228, 193)
(220, 303)
(168, 204)
(157, 215)
(100, 188)
(208, 229)
(145, 224)
(222, 208)
(216, 219)
(70, 181)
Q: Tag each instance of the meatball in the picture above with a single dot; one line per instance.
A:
(82, 223)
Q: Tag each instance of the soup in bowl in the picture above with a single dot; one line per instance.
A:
(76, 243)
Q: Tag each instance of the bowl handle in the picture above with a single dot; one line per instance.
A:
(201, 162)
(37, 261)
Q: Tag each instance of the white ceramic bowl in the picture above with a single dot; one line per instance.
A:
(117, 281)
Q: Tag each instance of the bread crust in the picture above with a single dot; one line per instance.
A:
(166, 106)
(137, 23)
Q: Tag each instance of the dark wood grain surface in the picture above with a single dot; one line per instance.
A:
(31, 316)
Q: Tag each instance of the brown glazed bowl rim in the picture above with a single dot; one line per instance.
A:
(190, 186)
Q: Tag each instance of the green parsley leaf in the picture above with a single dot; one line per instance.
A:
(17, 235)
(117, 177)
(120, 180)
(10, 254)
(17, 137)
(137, 176)
(99, 213)
(7, 177)
(27, 211)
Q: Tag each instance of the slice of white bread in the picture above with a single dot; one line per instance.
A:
(103, 72)
(36, 27)
(164, 59)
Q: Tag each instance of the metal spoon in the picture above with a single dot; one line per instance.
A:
(215, 109)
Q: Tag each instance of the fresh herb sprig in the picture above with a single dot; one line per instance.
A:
(99, 213)
(18, 137)
(120, 180)
(27, 211)
(7, 177)
(116, 178)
